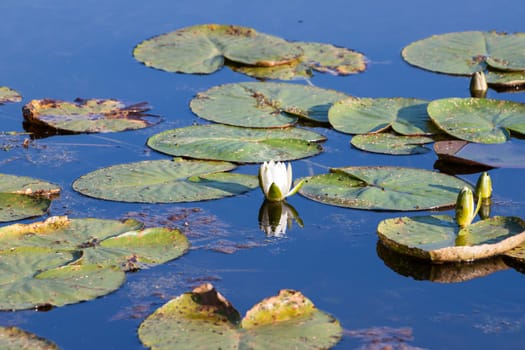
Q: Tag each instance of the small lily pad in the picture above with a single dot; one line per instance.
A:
(438, 238)
(204, 48)
(464, 53)
(406, 116)
(503, 80)
(203, 317)
(383, 188)
(13, 338)
(264, 105)
(388, 143)
(9, 95)
(478, 119)
(165, 181)
(235, 144)
(324, 58)
(88, 115)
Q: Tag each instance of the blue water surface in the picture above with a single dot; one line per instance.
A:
(65, 49)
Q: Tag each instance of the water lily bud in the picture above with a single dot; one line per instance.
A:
(478, 85)
(484, 186)
(465, 210)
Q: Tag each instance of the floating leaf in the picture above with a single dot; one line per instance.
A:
(383, 188)
(318, 57)
(464, 53)
(9, 95)
(501, 80)
(24, 197)
(388, 143)
(203, 49)
(165, 181)
(229, 143)
(407, 116)
(204, 318)
(478, 119)
(36, 277)
(91, 115)
(503, 155)
(264, 105)
(18, 339)
(439, 239)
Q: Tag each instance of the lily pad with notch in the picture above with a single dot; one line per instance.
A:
(165, 181)
(9, 95)
(204, 48)
(86, 116)
(439, 239)
(236, 144)
(389, 143)
(383, 188)
(264, 105)
(202, 317)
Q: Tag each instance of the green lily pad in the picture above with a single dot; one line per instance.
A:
(235, 144)
(13, 338)
(204, 48)
(388, 143)
(324, 58)
(89, 116)
(204, 318)
(407, 116)
(502, 80)
(478, 119)
(264, 105)
(23, 197)
(383, 188)
(38, 277)
(165, 181)
(9, 95)
(464, 53)
(439, 239)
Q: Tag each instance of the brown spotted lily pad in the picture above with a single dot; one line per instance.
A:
(9, 95)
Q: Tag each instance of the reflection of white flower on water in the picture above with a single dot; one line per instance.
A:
(276, 217)
(275, 179)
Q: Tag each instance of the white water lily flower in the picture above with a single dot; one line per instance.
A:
(275, 179)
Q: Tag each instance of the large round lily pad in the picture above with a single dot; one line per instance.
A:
(204, 319)
(464, 53)
(91, 115)
(165, 181)
(324, 58)
(235, 144)
(264, 105)
(9, 95)
(204, 48)
(13, 338)
(438, 238)
(478, 119)
(23, 197)
(407, 116)
(388, 143)
(383, 188)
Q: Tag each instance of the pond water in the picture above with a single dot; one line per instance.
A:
(67, 49)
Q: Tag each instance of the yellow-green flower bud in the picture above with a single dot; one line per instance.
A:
(484, 186)
(465, 210)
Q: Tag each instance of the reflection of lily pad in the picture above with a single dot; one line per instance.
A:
(204, 318)
(36, 277)
(451, 272)
(478, 119)
(388, 143)
(203, 49)
(18, 339)
(165, 181)
(505, 155)
(9, 95)
(318, 57)
(91, 115)
(229, 143)
(407, 116)
(438, 238)
(264, 105)
(383, 188)
(23, 197)
(464, 53)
